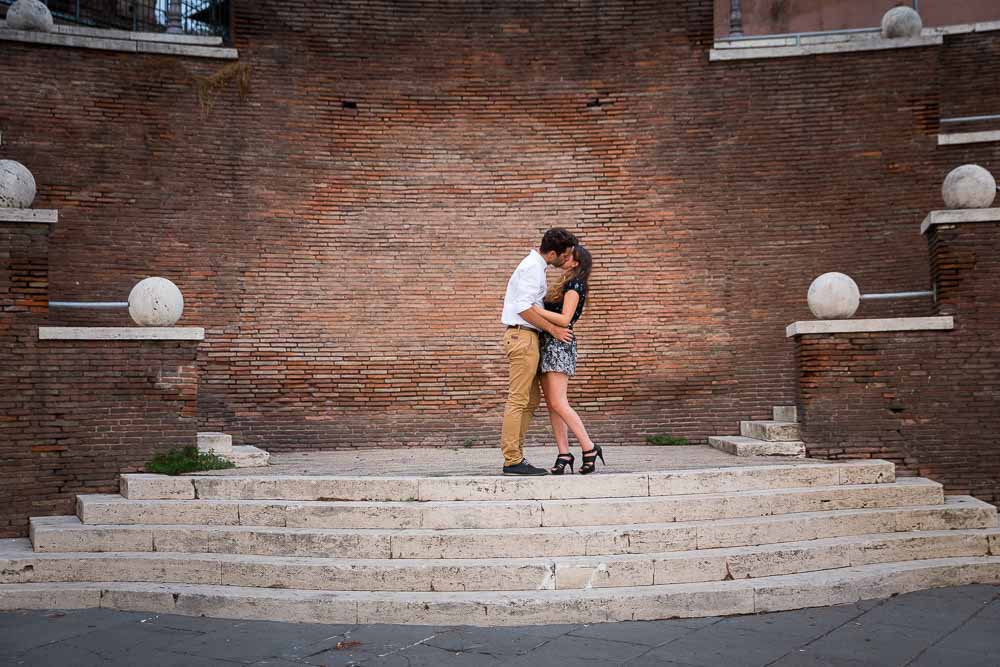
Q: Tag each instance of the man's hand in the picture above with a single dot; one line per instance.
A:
(561, 333)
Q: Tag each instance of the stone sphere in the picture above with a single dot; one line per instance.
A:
(901, 22)
(969, 186)
(29, 15)
(834, 296)
(155, 302)
(17, 185)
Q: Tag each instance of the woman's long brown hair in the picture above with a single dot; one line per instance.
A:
(580, 272)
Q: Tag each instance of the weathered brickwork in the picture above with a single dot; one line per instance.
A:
(345, 229)
(927, 400)
(74, 414)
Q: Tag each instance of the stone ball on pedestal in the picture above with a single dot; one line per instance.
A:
(834, 296)
(17, 185)
(155, 302)
(901, 22)
(969, 186)
(29, 15)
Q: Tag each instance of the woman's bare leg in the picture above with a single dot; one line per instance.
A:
(559, 428)
(555, 385)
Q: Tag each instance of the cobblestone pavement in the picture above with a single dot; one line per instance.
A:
(957, 627)
(450, 461)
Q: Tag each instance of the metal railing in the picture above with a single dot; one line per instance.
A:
(187, 17)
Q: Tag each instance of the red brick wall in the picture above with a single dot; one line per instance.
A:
(927, 400)
(74, 414)
(349, 263)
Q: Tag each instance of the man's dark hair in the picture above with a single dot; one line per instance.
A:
(557, 239)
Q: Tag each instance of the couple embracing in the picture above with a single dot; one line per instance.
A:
(541, 352)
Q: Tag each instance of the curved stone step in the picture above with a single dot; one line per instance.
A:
(68, 534)
(19, 564)
(796, 591)
(110, 509)
(613, 485)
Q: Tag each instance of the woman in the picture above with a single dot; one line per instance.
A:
(563, 306)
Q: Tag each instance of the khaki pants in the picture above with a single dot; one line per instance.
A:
(523, 393)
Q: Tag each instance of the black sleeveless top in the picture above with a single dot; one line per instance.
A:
(556, 306)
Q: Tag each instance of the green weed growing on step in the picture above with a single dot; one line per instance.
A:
(666, 440)
(186, 459)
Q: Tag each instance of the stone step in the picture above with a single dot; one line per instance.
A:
(114, 509)
(739, 445)
(19, 564)
(785, 413)
(747, 596)
(773, 431)
(68, 534)
(614, 485)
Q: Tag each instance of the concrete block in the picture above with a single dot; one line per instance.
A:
(548, 488)
(681, 601)
(247, 456)
(688, 567)
(769, 561)
(354, 515)
(742, 446)
(264, 513)
(785, 413)
(66, 533)
(156, 487)
(301, 542)
(957, 512)
(867, 472)
(749, 478)
(603, 572)
(306, 487)
(212, 441)
(918, 546)
(113, 509)
(771, 431)
(49, 596)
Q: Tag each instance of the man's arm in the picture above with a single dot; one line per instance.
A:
(557, 332)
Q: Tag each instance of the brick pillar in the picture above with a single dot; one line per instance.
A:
(965, 268)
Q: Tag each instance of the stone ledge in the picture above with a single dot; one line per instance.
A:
(953, 138)
(943, 323)
(121, 333)
(955, 216)
(726, 51)
(32, 215)
(129, 45)
(110, 33)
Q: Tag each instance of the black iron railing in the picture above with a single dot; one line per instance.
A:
(183, 17)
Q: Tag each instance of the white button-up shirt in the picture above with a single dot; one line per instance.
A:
(524, 289)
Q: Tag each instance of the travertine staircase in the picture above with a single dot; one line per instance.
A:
(502, 550)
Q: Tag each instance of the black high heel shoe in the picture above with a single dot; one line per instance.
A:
(562, 461)
(590, 460)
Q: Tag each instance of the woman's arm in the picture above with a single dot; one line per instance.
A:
(570, 300)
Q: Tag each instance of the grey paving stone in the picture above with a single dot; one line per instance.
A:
(922, 612)
(40, 628)
(714, 645)
(489, 641)
(429, 656)
(375, 642)
(569, 650)
(980, 635)
(941, 657)
(806, 659)
(883, 644)
(802, 624)
(252, 641)
(647, 633)
(991, 610)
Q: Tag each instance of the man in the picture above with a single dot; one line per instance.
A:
(520, 343)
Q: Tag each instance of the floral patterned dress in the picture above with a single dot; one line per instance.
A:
(557, 356)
